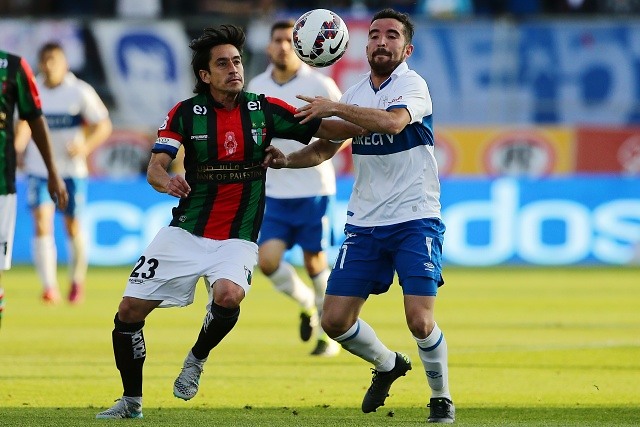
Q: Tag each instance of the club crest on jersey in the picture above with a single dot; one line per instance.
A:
(230, 143)
(258, 135)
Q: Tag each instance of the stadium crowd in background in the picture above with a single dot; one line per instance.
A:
(298, 201)
(20, 93)
(394, 221)
(79, 123)
(434, 8)
(215, 226)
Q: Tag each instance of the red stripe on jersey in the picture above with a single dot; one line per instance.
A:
(168, 121)
(230, 140)
(223, 211)
(33, 88)
(282, 104)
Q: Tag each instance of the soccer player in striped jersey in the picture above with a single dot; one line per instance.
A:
(225, 132)
(393, 216)
(19, 91)
(79, 123)
(298, 201)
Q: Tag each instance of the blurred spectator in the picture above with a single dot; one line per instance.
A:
(619, 6)
(24, 7)
(517, 8)
(71, 8)
(570, 6)
(138, 8)
(444, 8)
(406, 6)
(238, 7)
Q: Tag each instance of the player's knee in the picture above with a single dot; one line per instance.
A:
(333, 327)
(267, 265)
(130, 312)
(420, 326)
(227, 294)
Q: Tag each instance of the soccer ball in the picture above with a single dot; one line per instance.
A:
(320, 38)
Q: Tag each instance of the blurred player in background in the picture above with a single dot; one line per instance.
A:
(79, 123)
(19, 90)
(393, 221)
(213, 232)
(298, 200)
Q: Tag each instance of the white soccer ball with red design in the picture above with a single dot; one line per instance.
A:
(320, 37)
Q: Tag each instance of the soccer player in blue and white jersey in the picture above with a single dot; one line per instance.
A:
(79, 122)
(393, 217)
(298, 201)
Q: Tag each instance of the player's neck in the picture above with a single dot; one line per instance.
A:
(52, 83)
(377, 80)
(229, 100)
(282, 76)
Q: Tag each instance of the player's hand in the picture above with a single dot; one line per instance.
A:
(317, 107)
(58, 192)
(177, 186)
(77, 149)
(274, 158)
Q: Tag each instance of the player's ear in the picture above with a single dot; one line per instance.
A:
(205, 76)
(408, 50)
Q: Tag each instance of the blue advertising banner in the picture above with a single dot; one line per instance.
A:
(550, 221)
(551, 72)
(546, 221)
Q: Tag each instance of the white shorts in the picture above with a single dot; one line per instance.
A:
(174, 261)
(8, 208)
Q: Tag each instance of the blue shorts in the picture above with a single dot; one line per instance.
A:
(38, 194)
(303, 221)
(370, 256)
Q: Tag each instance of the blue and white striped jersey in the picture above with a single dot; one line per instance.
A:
(396, 176)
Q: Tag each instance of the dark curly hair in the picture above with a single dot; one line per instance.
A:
(211, 37)
(398, 16)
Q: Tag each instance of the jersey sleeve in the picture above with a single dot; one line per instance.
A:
(170, 133)
(413, 94)
(29, 104)
(333, 92)
(287, 126)
(93, 109)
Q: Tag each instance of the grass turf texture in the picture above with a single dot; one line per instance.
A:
(538, 347)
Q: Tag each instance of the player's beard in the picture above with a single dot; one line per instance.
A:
(384, 68)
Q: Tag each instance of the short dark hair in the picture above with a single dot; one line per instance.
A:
(48, 47)
(211, 37)
(399, 16)
(282, 25)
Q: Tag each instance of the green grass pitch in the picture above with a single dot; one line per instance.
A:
(527, 347)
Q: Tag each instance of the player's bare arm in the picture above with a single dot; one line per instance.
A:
(55, 184)
(160, 180)
(96, 135)
(375, 120)
(311, 155)
(339, 129)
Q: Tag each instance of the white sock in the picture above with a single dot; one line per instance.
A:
(287, 281)
(362, 341)
(45, 258)
(77, 260)
(320, 287)
(433, 354)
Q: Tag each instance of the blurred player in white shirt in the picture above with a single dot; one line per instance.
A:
(79, 122)
(298, 200)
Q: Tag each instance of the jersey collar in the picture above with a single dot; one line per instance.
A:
(400, 69)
